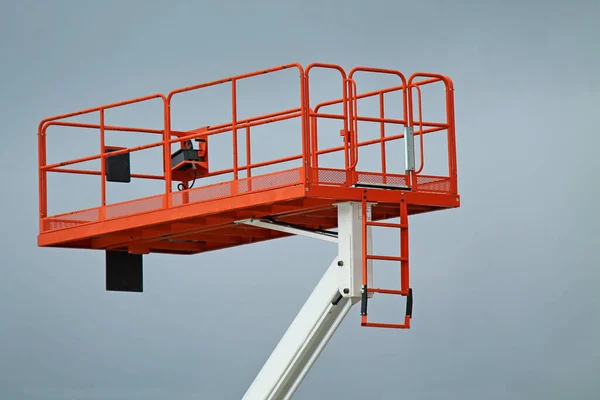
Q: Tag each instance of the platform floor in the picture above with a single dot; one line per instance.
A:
(204, 218)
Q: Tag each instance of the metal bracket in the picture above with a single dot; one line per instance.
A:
(288, 228)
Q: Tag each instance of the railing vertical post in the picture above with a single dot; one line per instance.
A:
(167, 151)
(234, 141)
(314, 141)
(102, 167)
(382, 128)
(234, 128)
(248, 153)
(248, 158)
(305, 104)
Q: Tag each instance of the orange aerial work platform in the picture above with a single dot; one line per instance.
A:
(213, 197)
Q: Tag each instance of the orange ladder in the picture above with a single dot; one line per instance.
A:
(405, 289)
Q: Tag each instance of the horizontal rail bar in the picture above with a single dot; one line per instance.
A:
(245, 121)
(365, 143)
(106, 127)
(106, 155)
(90, 172)
(330, 116)
(379, 140)
(361, 96)
(238, 126)
(432, 124)
(366, 119)
(257, 165)
(43, 123)
(425, 81)
(232, 78)
(267, 163)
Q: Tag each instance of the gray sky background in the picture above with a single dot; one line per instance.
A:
(506, 286)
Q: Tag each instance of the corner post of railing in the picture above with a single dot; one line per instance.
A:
(102, 167)
(167, 149)
(234, 140)
(452, 164)
(42, 174)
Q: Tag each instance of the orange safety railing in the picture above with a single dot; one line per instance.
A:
(309, 172)
(103, 155)
(424, 182)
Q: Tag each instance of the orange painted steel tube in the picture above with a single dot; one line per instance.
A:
(365, 143)
(237, 77)
(91, 172)
(102, 168)
(167, 156)
(271, 162)
(330, 116)
(248, 154)
(375, 141)
(360, 96)
(242, 122)
(305, 126)
(42, 124)
(234, 128)
(42, 175)
(314, 141)
(380, 325)
(382, 135)
(113, 153)
(255, 165)
(365, 119)
(238, 125)
(106, 127)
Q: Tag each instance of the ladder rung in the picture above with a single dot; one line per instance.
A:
(386, 258)
(386, 224)
(380, 325)
(388, 291)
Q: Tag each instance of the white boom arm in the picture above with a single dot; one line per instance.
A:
(337, 291)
